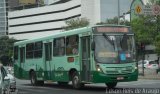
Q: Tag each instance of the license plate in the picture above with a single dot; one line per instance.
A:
(120, 78)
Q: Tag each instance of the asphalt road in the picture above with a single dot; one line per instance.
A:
(137, 87)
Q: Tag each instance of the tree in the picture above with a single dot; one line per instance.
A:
(112, 21)
(157, 44)
(115, 21)
(76, 23)
(40, 2)
(6, 49)
(144, 29)
(147, 31)
(157, 36)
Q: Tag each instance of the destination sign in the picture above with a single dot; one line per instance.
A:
(113, 29)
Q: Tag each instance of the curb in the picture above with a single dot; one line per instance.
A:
(150, 77)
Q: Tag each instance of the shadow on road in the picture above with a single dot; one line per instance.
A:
(69, 87)
(89, 89)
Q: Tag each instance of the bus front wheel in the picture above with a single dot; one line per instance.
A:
(76, 81)
(62, 83)
(111, 85)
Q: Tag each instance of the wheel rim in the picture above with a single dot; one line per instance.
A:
(32, 79)
(76, 80)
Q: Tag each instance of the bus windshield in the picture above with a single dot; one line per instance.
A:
(114, 48)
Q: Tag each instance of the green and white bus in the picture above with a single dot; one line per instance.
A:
(97, 54)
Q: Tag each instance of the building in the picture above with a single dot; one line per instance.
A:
(13, 3)
(27, 2)
(3, 18)
(42, 21)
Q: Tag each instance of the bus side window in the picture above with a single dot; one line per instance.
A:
(29, 50)
(38, 49)
(72, 45)
(59, 47)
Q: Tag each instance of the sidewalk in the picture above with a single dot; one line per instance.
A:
(150, 77)
(150, 74)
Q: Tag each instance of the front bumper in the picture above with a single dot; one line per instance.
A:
(99, 77)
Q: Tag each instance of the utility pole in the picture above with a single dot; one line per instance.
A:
(124, 14)
(118, 12)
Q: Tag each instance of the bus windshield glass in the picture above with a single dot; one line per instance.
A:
(114, 48)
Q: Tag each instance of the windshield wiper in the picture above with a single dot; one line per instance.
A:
(122, 41)
(108, 39)
(124, 37)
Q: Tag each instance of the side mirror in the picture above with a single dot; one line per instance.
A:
(93, 46)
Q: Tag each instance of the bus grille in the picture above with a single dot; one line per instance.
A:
(119, 70)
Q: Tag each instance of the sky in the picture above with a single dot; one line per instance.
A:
(109, 8)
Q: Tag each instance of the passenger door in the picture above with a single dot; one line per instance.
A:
(48, 58)
(22, 61)
(85, 48)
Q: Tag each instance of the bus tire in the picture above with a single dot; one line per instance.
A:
(62, 83)
(111, 85)
(76, 81)
(40, 83)
(33, 78)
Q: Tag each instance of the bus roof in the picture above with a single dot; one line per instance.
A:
(65, 33)
(59, 34)
(113, 25)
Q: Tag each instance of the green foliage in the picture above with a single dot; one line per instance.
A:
(147, 30)
(41, 2)
(115, 21)
(6, 48)
(144, 29)
(76, 23)
(157, 44)
(112, 21)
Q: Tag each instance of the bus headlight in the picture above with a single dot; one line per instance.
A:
(98, 68)
(135, 68)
